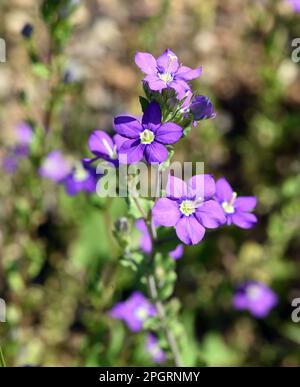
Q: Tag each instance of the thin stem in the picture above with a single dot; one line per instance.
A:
(154, 293)
(162, 316)
(2, 360)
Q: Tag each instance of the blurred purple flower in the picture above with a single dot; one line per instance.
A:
(55, 167)
(104, 147)
(202, 108)
(236, 209)
(146, 243)
(166, 72)
(23, 138)
(148, 138)
(82, 178)
(295, 4)
(23, 134)
(154, 350)
(189, 207)
(255, 297)
(10, 163)
(134, 311)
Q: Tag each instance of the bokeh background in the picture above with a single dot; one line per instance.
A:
(59, 264)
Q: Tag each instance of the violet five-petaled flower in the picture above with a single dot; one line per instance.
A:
(148, 138)
(189, 207)
(146, 242)
(82, 178)
(236, 209)
(166, 72)
(256, 297)
(154, 350)
(134, 311)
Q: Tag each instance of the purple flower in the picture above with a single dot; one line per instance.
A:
(236, 209)
(146, 243)
(10, 163)
(55, 167)
(202, 108)
(166, 72)
(148, 138)
(23, 138)
(189, 207)
(295, 4)
(82, 178)
(255, 297)
(134, 311)
(154, 350)
(24, 134)
(104, 147)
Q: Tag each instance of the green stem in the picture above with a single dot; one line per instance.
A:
(163, 318)
(154, 292)
(2, 360)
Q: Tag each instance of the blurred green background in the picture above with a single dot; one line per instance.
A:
(59, 264)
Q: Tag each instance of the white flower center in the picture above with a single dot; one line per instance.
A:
(141, 313)
(187, 207)
(147, 136)
(253, 292)
(228, 206)
(80, 174)
(166, 77)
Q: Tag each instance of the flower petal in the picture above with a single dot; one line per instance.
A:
(156, 153)
(189, 231)
(168, 133)
(145, 242)
(152, 116)
(244, 219)
(245, 203)
(168, 61)
(119, 140)
(180, 86)
(223, 190)
(202, 186)
(155, 83)
(177, 253)
(100, 143)
(127, 126)
(210, 214)
(131, 151)
(166, 212)
(187, 74)
(176, 188)
(146, 62)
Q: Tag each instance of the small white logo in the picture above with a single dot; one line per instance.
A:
(296, 312)
(2, 51)
(296, 51)
(2, 310)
